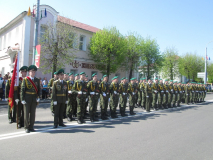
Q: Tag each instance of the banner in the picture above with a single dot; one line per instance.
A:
(13, 81)
(37, 55)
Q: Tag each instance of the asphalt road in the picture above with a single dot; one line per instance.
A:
(181, 133)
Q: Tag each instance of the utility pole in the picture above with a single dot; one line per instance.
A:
(36, 31)
(205, 77)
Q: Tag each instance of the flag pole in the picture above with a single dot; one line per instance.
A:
(205, 79)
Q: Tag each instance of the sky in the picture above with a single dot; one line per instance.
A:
(186, 25)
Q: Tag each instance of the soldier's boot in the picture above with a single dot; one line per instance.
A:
(79, 120)
(124, 110)
(131, 111)
(113, 114)
(178, 103)
(69, 118)
(91, 117)
(82, 120)
(154, 107)
(120, 108)
(103, 117)
(173, 104)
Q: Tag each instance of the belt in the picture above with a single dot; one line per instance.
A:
(60, 94)
(30, 92)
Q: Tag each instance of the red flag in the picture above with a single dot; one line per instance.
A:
(37, 55)
(11, 93)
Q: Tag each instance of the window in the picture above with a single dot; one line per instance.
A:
(82, 43)
(74, 71)
(42, 31)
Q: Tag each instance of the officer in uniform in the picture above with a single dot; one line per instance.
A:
(155, 89)
(17, 92)
(11, 114)
(187, 93)
(143, 98)
(179, 95)
(30, 93)
(140, 92)
(93, 89)
(60, 98)
(50, 84)
(71, 98)
(81, 90)
(75, 109)
(175, 93)
(76, 77)
(114, 96)
(104, 97)
(148, 91)
(123, 88)
(132, 95)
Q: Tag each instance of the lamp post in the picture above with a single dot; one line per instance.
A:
(205, 76)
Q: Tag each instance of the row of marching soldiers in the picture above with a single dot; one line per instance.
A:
(77, 93)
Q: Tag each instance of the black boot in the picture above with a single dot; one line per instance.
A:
(91, 118)
(82, 120)
(103, 117)
(79, 120)
(131, 111)
(95, 119)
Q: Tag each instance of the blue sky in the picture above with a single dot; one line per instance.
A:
(184, 24)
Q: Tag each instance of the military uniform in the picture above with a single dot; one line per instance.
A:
(170, 95)
(94, 94)
(104, 97)
(50, 85)
(155, 89)
(71, 100)
(123, 88)
(139, 93)
(30, 93)
(175, 95)
(179, 95)
(81, 90)
(165, 95)
(114, 97)
(143, 98)
(148, 91)
(11, 113)
(160, 95)
(187, 93)
(132, 96)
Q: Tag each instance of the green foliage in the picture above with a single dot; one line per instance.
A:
(150, 58)
(210, 72)
(170, 64)
(107, 48)
(58, 46)
(190, 64)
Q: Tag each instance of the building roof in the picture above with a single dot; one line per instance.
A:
(78, 24)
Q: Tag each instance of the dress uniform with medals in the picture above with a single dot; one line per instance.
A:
(17, 93)
(30, 93)
(60, 98)
(123, 88)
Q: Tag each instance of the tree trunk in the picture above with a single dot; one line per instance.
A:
(54, 65)
(131, 69)
(147, 71)
(108, 66)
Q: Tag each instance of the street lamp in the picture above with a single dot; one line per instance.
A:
(205, 78)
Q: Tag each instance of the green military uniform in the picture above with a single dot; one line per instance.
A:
(170, 94)
(50, 85)
(114, 97)
(94, 94)
(160, 95)
(71, 100)
(179, 94)
(132, 96)
(143, 98)
(104, 97)
(155, 89)
(175, 94)
(148, 91)
(81, 90)
(17, 93)
(30, 93)
(187, 93)
(183, 92)
(165, 95)
(123, 88)
(140, 93)
(11, 113)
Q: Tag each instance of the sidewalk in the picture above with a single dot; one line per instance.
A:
(41, 101)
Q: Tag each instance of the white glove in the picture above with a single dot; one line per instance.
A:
(166, 90)
(6, 99)
(17, 100)
(109, 100)
(124, 93)
(66, 102)
(92, 93)
(86, 99)
(38, 99)
(55, 103)
(23, 102)
(147, 96)
(162, 91)
(80, 92)
(104, 94)
(115, 92)
(133, 93)
(69, 92)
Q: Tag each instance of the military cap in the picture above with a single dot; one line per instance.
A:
(126, 78)
(23, 68)
(115, 77)
(94, 74)
(132, 79)
(148, 78)
(123, 78)
(86, 75)
(104, 76)
(67, 73)
(60, 71)
(77, 74)
(175, 81)
(160, 79)
(171, 80)
(166, 80)
(55, 73)
(71, 74)
(82, 73)
(183, 82)
(32, 67)
(156, 78)
(101, 79)
(12, 71)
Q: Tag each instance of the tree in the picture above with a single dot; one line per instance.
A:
(170, 64)
(107, 48)
(133, 53)
(58, 46)
(150, 59)
(210, 72)
(190, 64)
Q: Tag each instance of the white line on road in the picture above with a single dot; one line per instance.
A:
(73, 125)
